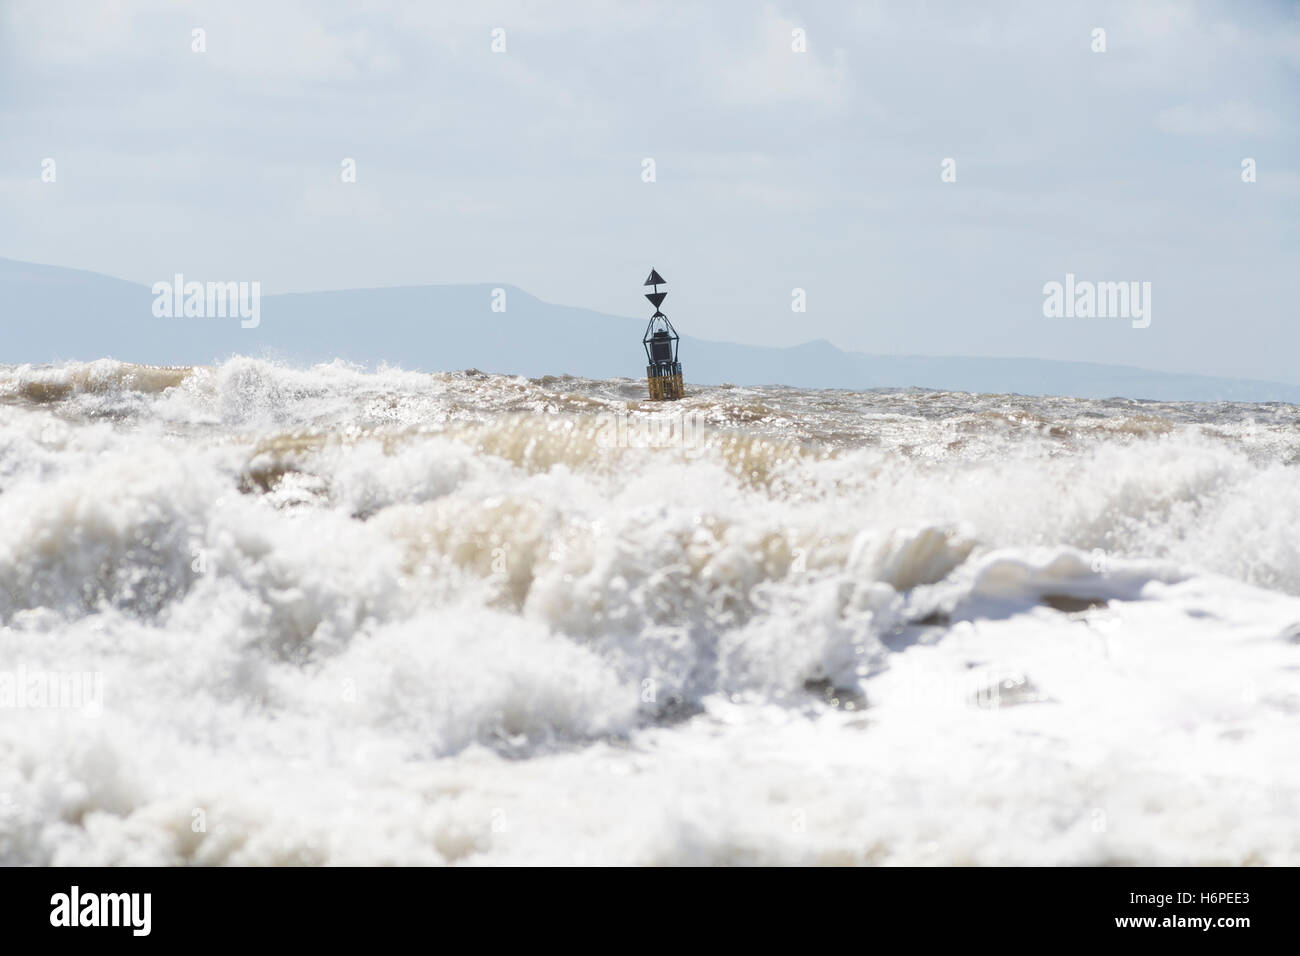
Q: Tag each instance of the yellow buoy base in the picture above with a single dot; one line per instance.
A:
(664, 388)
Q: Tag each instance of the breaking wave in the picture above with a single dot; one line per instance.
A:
(394, 617)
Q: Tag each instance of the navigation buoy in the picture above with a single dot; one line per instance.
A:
(664, 373)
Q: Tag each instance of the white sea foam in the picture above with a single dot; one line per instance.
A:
(346, 616)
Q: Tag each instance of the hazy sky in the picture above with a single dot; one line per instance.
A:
(775, 169)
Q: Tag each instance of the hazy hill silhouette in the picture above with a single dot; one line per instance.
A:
(53, 314)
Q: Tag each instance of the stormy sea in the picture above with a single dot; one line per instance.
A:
(257, 614)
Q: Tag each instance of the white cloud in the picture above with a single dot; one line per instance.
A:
(1237, 118)
(771, 72)
(62, 32)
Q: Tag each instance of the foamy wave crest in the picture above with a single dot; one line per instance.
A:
(380, 616)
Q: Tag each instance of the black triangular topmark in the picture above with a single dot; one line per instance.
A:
(656, 298)
(655, 279)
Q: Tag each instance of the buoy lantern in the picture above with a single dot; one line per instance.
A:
(664, 373)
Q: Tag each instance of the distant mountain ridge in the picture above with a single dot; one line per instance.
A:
(50, 314)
